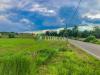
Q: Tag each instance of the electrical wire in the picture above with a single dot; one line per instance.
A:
(75, 13)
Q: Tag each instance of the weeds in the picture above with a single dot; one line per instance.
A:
(31, 57)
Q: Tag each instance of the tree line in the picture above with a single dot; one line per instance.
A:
(75, 33)
(15, 35)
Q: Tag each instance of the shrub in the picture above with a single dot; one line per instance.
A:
(91, 39)
(0, 35)
(11, 35)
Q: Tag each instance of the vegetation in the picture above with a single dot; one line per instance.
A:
(38, 57)
(15, 35)
(96, 32)
(76, 34)
(91, 39)
(11, 35)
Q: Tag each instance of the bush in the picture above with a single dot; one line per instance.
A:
(91, 39)
(11, 35)
(0, 35)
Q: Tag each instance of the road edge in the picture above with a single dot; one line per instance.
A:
(95, 56)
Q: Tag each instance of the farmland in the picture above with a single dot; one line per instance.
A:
(22, 56)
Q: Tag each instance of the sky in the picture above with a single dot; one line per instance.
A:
(31, 15)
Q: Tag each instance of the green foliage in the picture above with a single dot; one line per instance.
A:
(68, 63)
(25, 35)
(11, 35)
(0, 35)
(15, 65)
(96, 32)
(91, 39)
(62, 33)
(86, 33)
(32, 57)
(75, 31)
(51, 33)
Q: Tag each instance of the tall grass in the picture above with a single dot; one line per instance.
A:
(31, 57)
(24, 63)
(15, 65)
(69, 63)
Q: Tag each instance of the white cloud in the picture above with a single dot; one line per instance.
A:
(92, 16)
(25, 21)
(7, 25)
(42, 9)
(2, 17)
(88, 8)
(4, 6)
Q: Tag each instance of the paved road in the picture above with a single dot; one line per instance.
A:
(92, 49)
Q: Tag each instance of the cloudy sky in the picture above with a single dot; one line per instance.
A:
(30, 15)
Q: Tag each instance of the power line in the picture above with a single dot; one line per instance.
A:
(75, 13)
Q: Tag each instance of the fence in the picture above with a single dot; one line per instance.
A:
(52, 38)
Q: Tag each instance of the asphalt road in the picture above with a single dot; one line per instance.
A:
(92, 49)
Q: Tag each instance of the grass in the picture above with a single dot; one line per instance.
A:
(98, 42)
(39, 57)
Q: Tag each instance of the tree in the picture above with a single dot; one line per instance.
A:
(75, 31)
(97, 32)
(47, 33)
(63, 33)
(85, 34)
(12, 35)
(53, 33)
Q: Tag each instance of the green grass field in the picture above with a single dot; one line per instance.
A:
(39, 57)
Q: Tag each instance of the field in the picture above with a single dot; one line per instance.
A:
(40, 57)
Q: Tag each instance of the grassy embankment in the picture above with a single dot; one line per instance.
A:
(31, 57)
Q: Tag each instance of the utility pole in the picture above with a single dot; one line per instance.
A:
(73, 16)
(66, 29)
